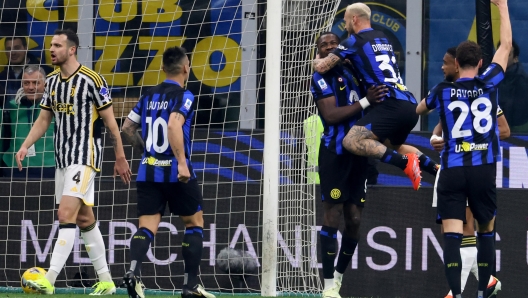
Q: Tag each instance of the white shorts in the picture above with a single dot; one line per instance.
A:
(76, 181)
(435, 195)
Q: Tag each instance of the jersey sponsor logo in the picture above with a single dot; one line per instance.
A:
(468, 147)
(322, 84)
(188, 104)
(63, 108)
(335, 193)
(152, 161)
(104, 92)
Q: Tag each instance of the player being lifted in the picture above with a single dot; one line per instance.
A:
(165, 175)
(468, 109)
(468, 249)
(78, 98)
(343, 175)
(390, 122)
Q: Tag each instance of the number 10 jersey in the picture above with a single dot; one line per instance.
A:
(152, 112)
(468, 111)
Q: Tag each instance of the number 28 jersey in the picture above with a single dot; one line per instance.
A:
(468, 111)
(152, 112)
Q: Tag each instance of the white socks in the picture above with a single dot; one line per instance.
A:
(93, 241)
(61, 251)
(338, 276)
(328, 284)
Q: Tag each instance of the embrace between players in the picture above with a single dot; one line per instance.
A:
(79, 100)
(377, 125)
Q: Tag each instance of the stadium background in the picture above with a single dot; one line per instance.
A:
(390, 207)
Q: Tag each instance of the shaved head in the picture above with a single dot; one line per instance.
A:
(361, 10)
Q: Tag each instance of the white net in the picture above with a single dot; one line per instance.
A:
(124, 41)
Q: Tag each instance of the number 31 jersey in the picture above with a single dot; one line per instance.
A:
(153, 112)
(468, 111)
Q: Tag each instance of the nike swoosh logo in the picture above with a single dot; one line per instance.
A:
(363, 200)
(331, 253)
(342, 88)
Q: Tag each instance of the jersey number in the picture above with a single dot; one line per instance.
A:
(457, 131)
(153, 130)
(386, 65)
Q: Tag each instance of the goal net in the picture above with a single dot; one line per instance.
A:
(227, 44)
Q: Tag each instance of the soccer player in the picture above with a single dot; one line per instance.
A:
(343, 176)
(389, 123)
(468, 249)
(165, 175)
(468, 109)
(78, 98)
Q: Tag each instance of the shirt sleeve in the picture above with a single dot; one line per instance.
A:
(346, 48)
(135, 113)
(320, 87)
(185, 105)
(45, 102)
(102, 97)
(499, 112)
(431, 101)
(492, 76)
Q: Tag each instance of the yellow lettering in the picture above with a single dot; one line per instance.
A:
(201, 66)
(396, 27)
(157, 11)
(37, 10)
(113, 47)
(153, 74)
(376, 17)
(107, 10)
(381, 20)
(342, 26)
(389, 22)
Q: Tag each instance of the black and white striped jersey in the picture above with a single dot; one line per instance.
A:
(75, 102)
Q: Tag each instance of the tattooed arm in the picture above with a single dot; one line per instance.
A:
(131, 134)
(121, 167)
(325, 64)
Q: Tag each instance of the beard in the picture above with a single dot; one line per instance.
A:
(449, 78)
(59, 60)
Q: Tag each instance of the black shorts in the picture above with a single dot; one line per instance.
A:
(343, 177)
(392, 119)
(184, 199)
(476, 183)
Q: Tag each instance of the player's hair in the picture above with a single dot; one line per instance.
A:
(515, 48)
(31, 68)
(70, 36)
(173, 58)
(359, 9)
(12, 38)
(468, 54)
(452, 51)
(326, 33)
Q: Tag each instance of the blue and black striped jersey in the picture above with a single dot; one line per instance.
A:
(372, 55)
(152, 112)
(340, 83)
(468, 109)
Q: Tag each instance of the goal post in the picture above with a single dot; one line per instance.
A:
(250, 74)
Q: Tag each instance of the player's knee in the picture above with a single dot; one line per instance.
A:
(84, 220)
(66, 215)
(195, 220)
(353, 222)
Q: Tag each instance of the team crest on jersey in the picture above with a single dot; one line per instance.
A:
(104, 92)
(340, 80)
(322, 84)
(188, 104)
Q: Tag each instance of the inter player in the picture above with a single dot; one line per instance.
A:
(468, 249)
(343, 176)
(468, 109)
(389, 123)
(78, 98)
(165, 175)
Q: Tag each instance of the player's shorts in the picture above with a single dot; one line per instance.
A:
(75, 181)
(476, 183)
(435, 199)
(343, 177)
(184, 199)
(392, 119)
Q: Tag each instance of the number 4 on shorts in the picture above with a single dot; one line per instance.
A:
(77, 177)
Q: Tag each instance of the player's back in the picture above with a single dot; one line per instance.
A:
(154, 108)
(338, 82)
(468, 111)
(373, 57)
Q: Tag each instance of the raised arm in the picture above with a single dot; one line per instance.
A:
(131, 134)
(121, 166)
(502, 53)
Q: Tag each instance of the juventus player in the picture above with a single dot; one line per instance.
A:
(78, 98)
(468, 109)
(165, 175)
